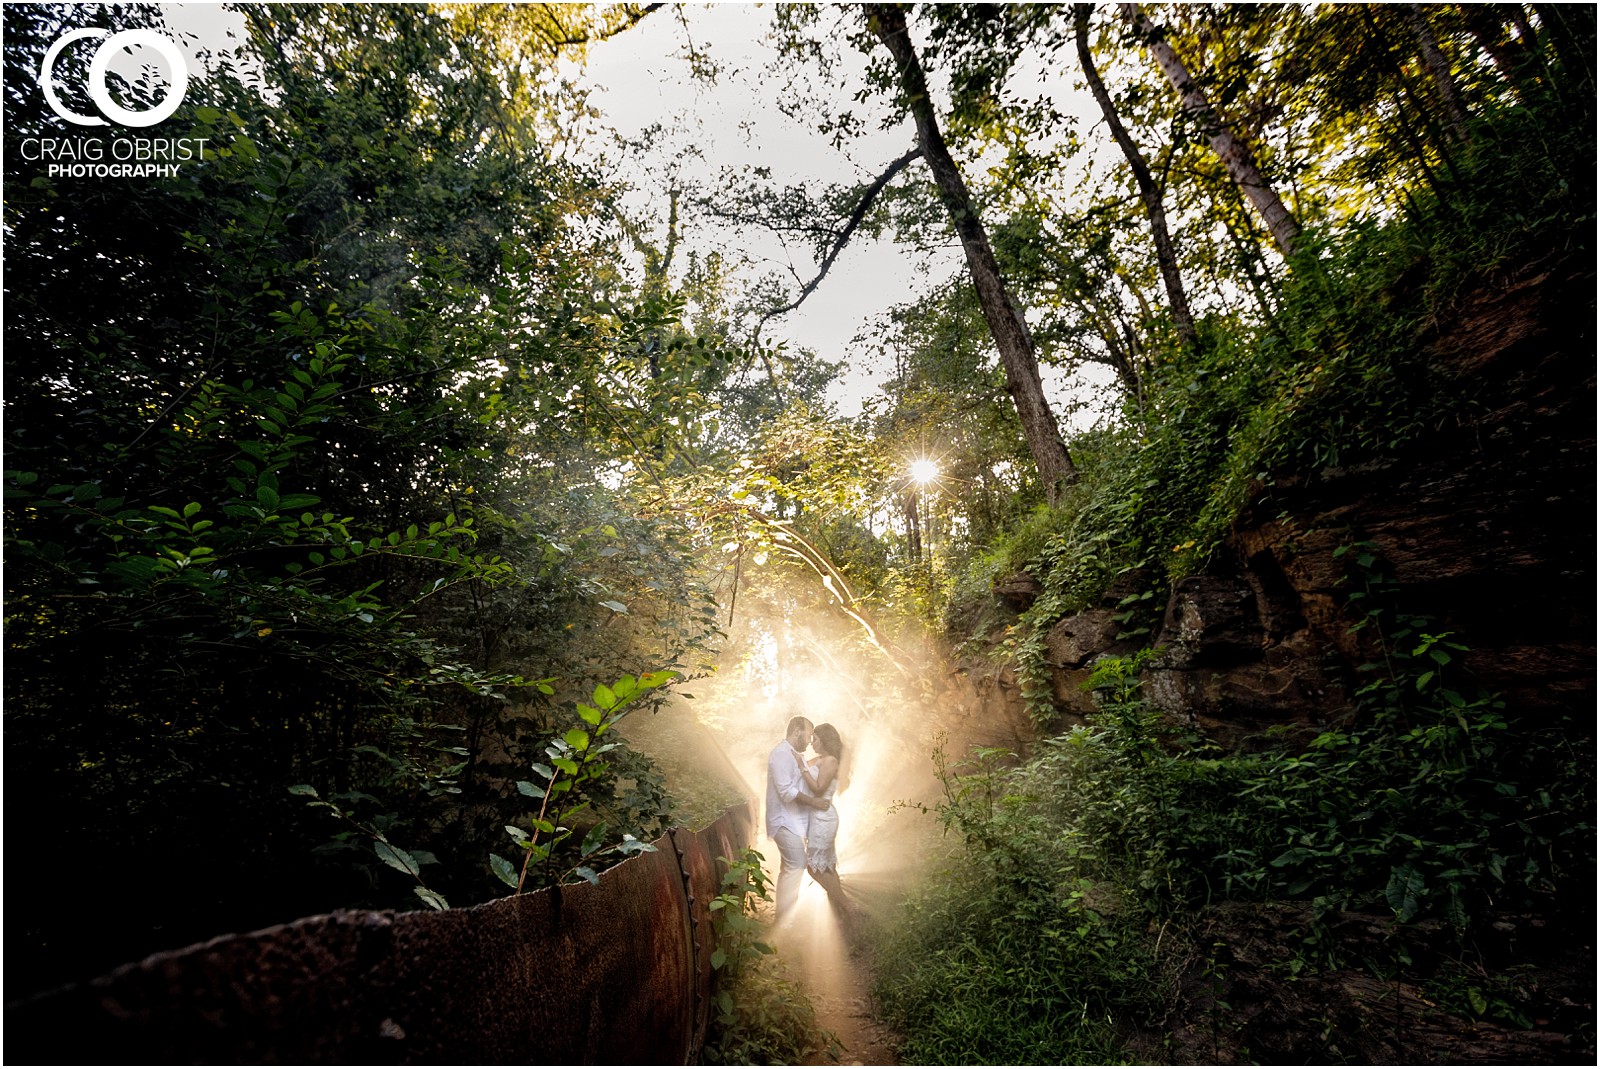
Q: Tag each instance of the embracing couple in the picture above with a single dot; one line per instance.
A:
(801, 817)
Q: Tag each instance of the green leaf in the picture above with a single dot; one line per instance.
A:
(578, 739)
(718, 958)
(630, 845)
(604, 697)
(304, 790)
(1405, 887)
(589, 874)
(396, 858)
(434, 899)
(592, 841)
(615, 606)
(503, 869)
(268, 497)
(590, 714)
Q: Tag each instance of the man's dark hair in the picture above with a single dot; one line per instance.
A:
(795, 722)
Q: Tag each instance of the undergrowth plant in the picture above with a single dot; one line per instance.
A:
(1043, 939)
(762, 1016)
(1436, 800)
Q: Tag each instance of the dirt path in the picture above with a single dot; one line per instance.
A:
(845, 1009)
(813, 952)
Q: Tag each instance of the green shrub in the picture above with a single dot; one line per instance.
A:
(1041, 938)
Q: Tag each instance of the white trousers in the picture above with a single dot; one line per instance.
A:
(792, 866)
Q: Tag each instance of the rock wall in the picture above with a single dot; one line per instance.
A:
(616, 973)
(1488, 527)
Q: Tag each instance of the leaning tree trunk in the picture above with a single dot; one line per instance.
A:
(1233, 152)
(1006, 324)
(1149, 192)
(1444, 83)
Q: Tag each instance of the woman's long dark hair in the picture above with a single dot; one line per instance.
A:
(825, 737)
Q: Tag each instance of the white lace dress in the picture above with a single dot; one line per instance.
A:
(820, 855)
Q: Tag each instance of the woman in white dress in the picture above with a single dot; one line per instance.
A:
(825, 776)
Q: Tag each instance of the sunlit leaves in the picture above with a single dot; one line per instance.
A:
(574, 760)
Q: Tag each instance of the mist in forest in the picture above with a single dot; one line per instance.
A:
(785, 662)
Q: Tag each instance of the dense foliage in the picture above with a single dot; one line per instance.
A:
(296, 496)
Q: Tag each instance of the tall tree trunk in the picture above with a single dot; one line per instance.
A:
(1439, 70)
(909, 506)
(1233, 152)
(1149, 192)
(1377, 44)
(1006, 324)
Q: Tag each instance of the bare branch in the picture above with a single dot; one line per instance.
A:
(863, 206)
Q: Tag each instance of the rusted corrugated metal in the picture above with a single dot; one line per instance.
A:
(618, 973)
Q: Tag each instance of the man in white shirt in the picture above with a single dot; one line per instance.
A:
(789, 810)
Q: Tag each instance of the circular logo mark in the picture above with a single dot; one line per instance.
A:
(177, 77)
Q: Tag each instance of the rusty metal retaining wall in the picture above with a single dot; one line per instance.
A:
(618, 973)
